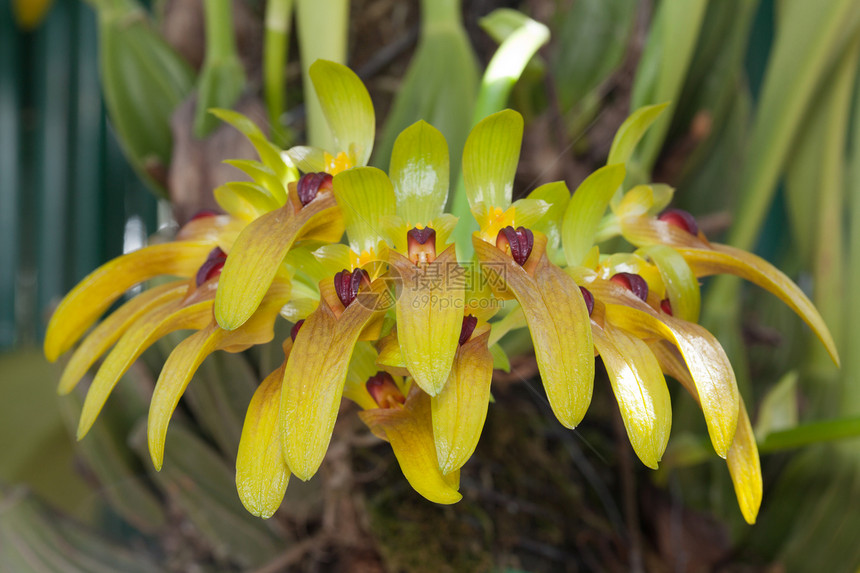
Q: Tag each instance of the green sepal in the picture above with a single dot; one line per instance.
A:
(420, 173)
(490, 159)
(585, 211)
(365, 195)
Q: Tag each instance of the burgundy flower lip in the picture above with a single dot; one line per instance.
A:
(383, 390)
(294, 331)
(681, 219)
(347, 284)
(421, 244)
(310, 184)
(211, 267)
(589, 299)
(469, 324)
(632, 282)
(521, 241)
(666, 306)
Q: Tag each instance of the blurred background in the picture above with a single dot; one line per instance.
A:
(102, 145)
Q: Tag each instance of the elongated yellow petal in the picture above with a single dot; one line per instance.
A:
(262, 474)
(411, 435)
(742, 459)
(109, 330)
(140, 336)
(559, 325)
(93, 295)
(640, 389)
(258, 253)
(745, 467)
(647, 230)
(705, 358)
(187, 357)
(177, 372)
(724, 259)
(314, 379)
(429, 316)
(460, 409)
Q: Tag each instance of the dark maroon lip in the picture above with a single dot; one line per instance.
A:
(632, 282)
(681, 219)
(294, 331)
(589, 299)
(469, 324)
(521, 241)
(310, 184)
(211, 267)
(347, 284)
(383, 390)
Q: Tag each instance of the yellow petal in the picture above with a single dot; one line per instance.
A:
(460, 409)
(314, 380)
(109, 330)
(429, 316)
(411, 435)
(187, 357)
(177, 372)
(257, 255)
(559, 325)
(261, 473)
(745, 467)
(93, 295)
(724, 259)
(640, 389)
(140, 336)
(647, 230)
(705, 358)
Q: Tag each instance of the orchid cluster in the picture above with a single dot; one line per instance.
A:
(393, 320)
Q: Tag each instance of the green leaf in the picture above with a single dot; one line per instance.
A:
(419, 173)
(365, 195)
(586, 209)
(347, 108)
(490, 159)
(778, 410)
(500, 358)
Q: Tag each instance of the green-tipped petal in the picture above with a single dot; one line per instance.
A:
(314, 380)
(631, 131)
(94, 295)
(724, 259)
(261, 473)
(411, 435)
(140, 336)
(419, 173)
(557, 196)
(490, 159)
(347, 108)
(262, 176)
(682, 285)
(113, 327)
(429, 316)
(307, 159)
(460, 409)
(559, 325)
(586, 209)
(745, 467)
(640, 389)
(705, 358)
(257, 255)
(365, 196)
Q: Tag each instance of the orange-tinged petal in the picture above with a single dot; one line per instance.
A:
(94, 295)
(724, 259)
(257, 255)
(639, 388)
(745, 467)
(705, 358)
(647, 230)
(109, 330)
(187, 357)
(460, 409)
(140, 336)
(429, 316)
(261, 473)
(410, 433)
(314, 380)
(559, 325)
